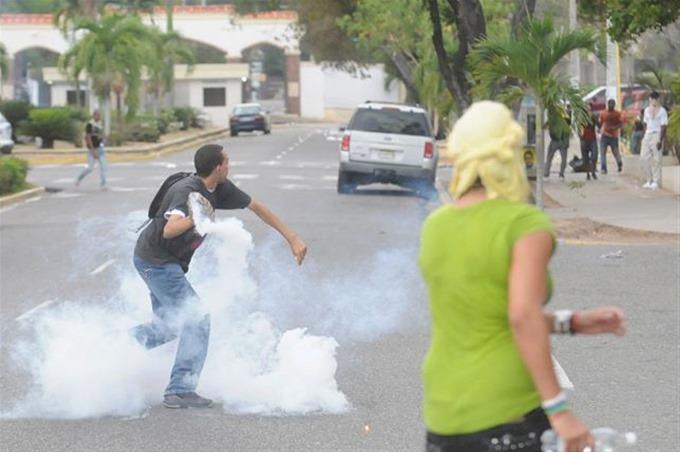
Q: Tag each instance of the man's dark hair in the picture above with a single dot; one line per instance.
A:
(207, 158)
(654, 95)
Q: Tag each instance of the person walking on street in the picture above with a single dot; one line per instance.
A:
(488, 377)
(655, 121)
(162, 256)
(611, 123)
(589, 144)
(94, 140)
(559, 128)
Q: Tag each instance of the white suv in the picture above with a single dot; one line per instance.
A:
(389, 143)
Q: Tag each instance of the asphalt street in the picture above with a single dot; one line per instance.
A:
(359, 284)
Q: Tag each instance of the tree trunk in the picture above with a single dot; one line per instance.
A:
(406, 76)
(524, 9)
(106, 102)
(78, 93)
(442, 58)
(119, 113)
(540, 153)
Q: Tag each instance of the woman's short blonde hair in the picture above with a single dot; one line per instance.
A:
(484, 145)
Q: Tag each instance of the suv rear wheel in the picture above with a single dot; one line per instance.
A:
(346, 183)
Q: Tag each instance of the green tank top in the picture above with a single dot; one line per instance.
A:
(473, 375)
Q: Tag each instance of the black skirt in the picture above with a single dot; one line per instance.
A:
(524, 435)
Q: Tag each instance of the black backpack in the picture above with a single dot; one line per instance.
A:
(158, 199)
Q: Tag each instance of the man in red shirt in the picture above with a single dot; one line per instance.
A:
(589, 144)
(611, 122)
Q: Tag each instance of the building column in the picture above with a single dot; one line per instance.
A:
(293, 83)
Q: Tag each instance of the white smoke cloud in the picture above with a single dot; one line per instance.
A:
(81, 363)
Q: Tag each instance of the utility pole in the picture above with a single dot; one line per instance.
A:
(575, 56)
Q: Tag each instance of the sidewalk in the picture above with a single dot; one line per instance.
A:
(614, 199)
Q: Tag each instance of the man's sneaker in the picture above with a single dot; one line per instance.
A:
(620, 168)
(604, 171)
(186, 400)
(654, 186)
(647, 185)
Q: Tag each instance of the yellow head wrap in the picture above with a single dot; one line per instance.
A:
(485, 144)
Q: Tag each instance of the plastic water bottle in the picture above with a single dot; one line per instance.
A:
(606, 440)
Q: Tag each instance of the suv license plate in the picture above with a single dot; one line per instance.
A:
(384, 155)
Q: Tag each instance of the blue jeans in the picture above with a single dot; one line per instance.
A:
(101, 158)
(176, 312)
(613, 143)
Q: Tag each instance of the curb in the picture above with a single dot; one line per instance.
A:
(21, 196)
(145, 150)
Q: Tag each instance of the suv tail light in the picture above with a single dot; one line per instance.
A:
(428, 151)
(345, 143)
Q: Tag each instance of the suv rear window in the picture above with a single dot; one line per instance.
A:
(386, 120)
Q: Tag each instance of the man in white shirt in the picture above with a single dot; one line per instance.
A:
(655, 121)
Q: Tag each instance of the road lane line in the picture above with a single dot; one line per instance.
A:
(246, 176)
(30, 312)
(102, 267)
(562, 378)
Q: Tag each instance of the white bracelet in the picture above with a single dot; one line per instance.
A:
(559, 398)
(562, 321)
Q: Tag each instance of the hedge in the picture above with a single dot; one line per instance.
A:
(12, 175)
(51, 124)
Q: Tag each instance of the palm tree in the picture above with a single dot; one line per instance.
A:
(114, 49)
(530, 57)
(4, 63)
(170, 50)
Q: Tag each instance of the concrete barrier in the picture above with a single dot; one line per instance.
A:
(21, 196)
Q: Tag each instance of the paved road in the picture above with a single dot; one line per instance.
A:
(72, 247)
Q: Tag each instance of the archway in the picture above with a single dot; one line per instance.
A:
(267, 79)
(27, 74)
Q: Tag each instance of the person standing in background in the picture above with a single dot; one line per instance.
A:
(589, 144)
(611, 123)
(655, 121)
(94, 140)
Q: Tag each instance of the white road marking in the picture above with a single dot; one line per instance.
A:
(333, 178)
(290, 177)
(131, 189)
(64, 180)
(67, 195)
(278, 157)
(562, 378)
(165, 164)
(30, 312)
(245, 176)
(102, 267)
(270, 163)
(304, 187)
(34, 199)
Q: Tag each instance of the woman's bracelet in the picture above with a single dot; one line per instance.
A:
(556, 404)
(563, 322)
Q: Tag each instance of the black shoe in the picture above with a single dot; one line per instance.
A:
(594, 176)
(620, 168)
(186, 400)
(604, 171)
(588, 176)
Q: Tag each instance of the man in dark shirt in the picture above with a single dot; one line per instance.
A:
(589, 144)
(94, 140)
(162, 256)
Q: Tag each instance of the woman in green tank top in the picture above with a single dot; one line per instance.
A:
(488, 377)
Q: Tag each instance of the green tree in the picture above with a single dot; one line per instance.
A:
(113, 52)
(530, 58)
(4, 62)
(170, 49)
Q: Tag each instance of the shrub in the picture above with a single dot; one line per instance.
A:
(145, 132)
(12, 174)
(50, 124)
(166, 118)
(15, 111)
(189, 117)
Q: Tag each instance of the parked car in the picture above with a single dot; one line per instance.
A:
(388, 143)
(249, 117)
(6, 142)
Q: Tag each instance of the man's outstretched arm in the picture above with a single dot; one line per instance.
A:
(297, 246)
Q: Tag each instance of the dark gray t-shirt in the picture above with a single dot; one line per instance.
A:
(156, 250)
